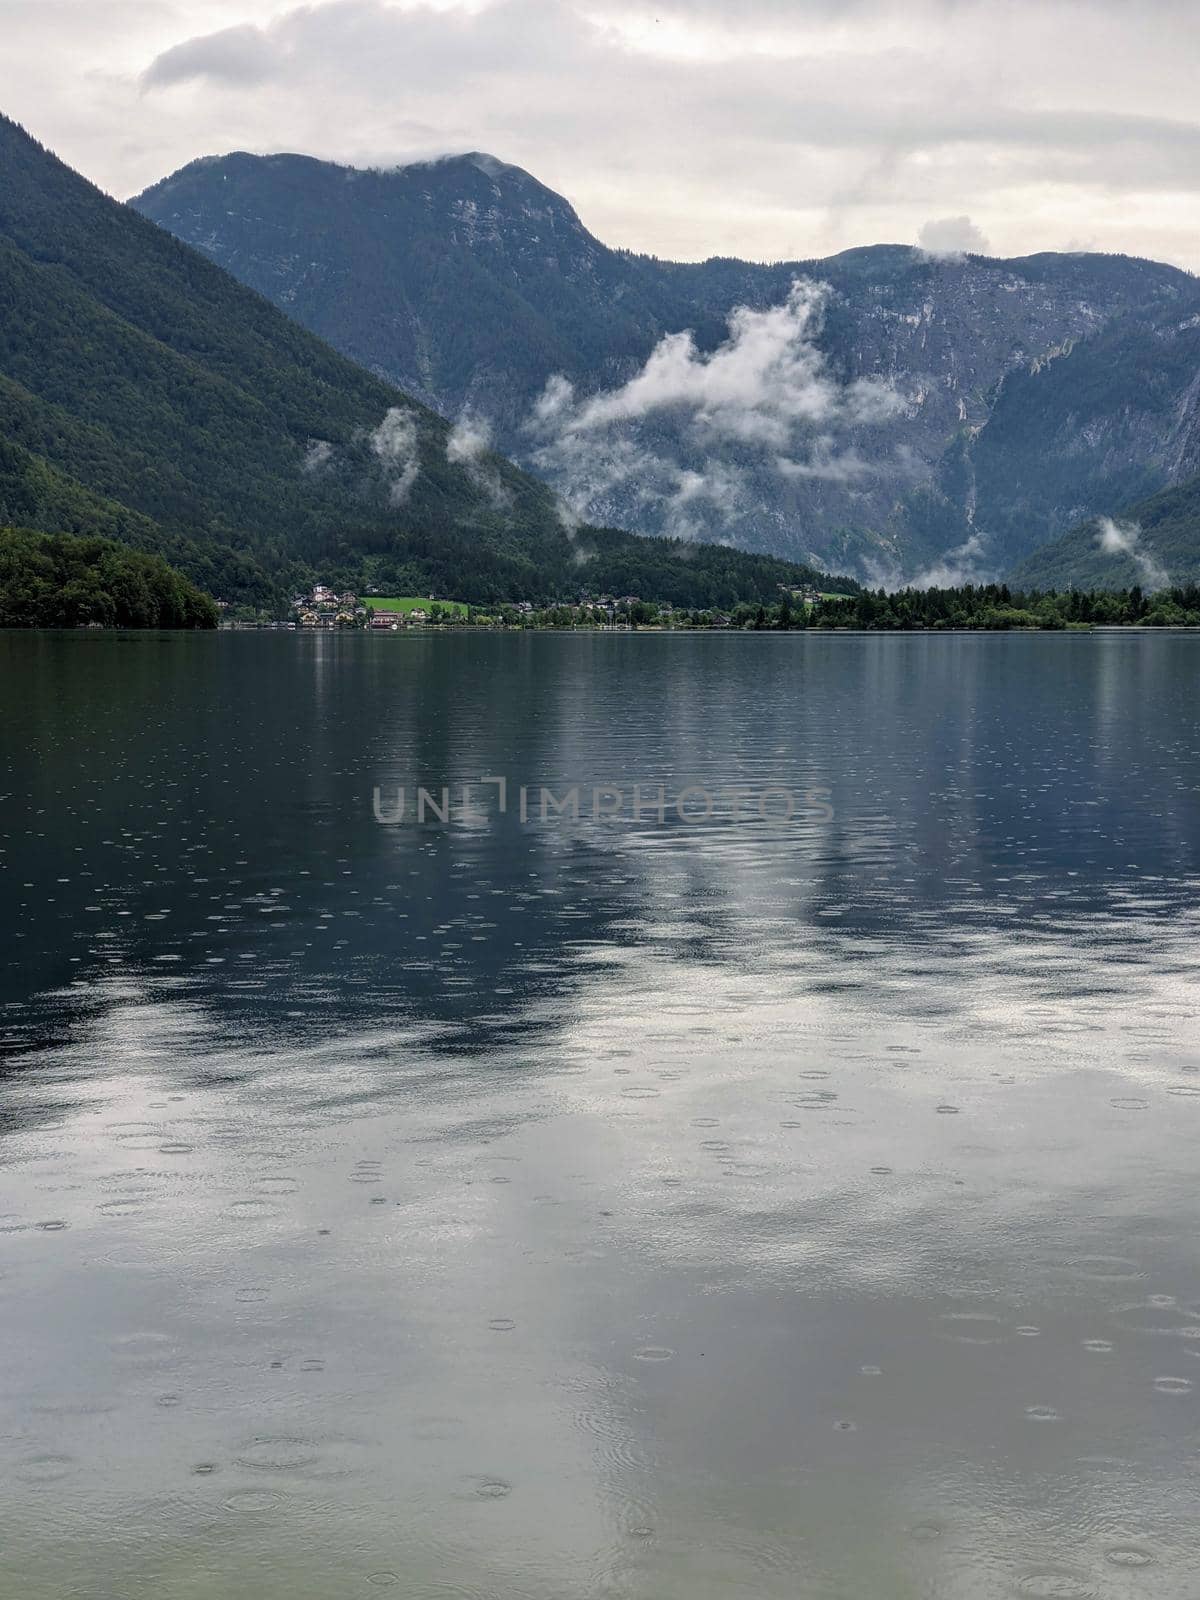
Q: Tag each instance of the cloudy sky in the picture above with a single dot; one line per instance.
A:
(766, 128)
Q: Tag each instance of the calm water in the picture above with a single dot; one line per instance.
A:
(755, 1208)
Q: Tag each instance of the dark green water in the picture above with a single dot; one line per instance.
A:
(783, 1207)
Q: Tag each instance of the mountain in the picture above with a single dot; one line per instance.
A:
(474, 286)
(147, 396)
(1154, 540)
(467, 276)
(1092, 429)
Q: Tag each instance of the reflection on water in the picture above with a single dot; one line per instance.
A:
(599, 1208)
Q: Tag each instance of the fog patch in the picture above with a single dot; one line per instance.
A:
(962, 565)
(1124, 539)
(395, 444)
(468, 445)
(317, 456)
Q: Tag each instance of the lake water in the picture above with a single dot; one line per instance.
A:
(752, 1206)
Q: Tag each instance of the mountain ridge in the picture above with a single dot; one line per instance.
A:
(475, 286)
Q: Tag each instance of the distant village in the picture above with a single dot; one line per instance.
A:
(325, 608)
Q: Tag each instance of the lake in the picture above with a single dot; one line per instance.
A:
(790, 1194)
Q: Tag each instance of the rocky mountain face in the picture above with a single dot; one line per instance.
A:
(894, 413)
(1092, 430)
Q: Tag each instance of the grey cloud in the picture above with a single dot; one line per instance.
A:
(781, 128)
(243, 56)
(544, 65)
(780, 15)
(368, 42)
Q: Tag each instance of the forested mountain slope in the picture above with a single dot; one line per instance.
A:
(1155, 541)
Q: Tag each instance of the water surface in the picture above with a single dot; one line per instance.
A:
(740, 1207)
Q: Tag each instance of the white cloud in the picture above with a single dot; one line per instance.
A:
(966, 563)
(468, 445)
(951, 238)
(1124, 539)
(318, 455)
(469, 439)
(827, 462)
(692, 430)
(396, 445)
(766, 379)
(589, 473)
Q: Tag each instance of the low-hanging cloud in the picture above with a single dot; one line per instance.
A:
(951, 239)
(317, 456)
(599, 480)
(395, 443)
(826, 462)
(965, 563)
(468, 445)
(768, 378)
(1124, 539)
(690, 431)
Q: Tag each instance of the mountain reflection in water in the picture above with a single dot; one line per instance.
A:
(733, 1207)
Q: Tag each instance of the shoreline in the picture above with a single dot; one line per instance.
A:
(419, 631)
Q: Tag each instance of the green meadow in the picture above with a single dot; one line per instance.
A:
(413, 602)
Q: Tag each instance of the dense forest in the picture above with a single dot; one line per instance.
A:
(991, 606)
(58, 581)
